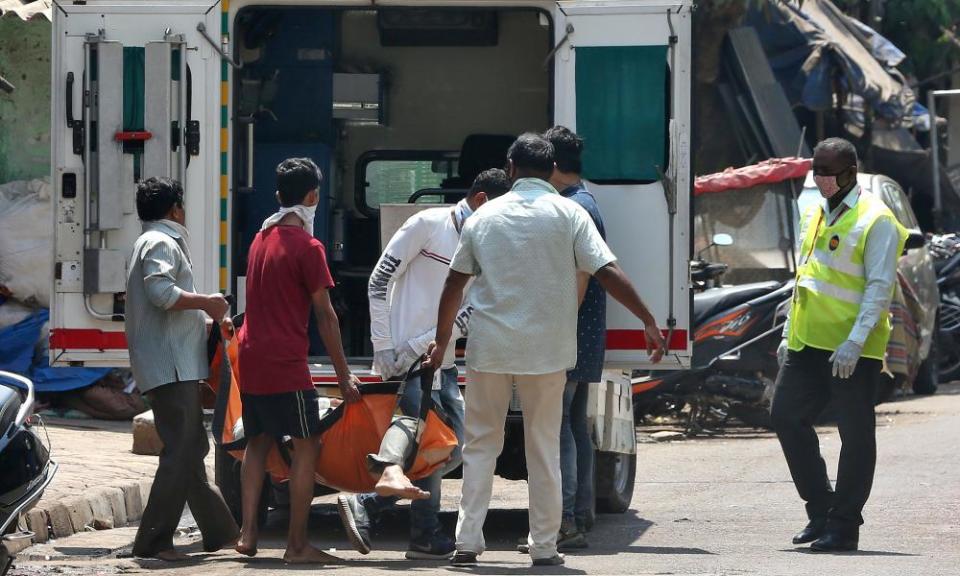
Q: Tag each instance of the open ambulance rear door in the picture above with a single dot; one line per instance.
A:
(623, 84)
(135, 90)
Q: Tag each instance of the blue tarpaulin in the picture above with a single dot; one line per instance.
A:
(18, 355)
(816, 49)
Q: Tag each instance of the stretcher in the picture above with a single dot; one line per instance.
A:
(349, 432)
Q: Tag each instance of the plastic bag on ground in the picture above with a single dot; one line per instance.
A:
(26, 237)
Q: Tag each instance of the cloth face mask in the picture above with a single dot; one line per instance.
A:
(305, 213)
(827, 184)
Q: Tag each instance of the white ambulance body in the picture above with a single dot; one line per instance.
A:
(397, 101)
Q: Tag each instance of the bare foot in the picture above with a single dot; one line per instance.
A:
(171, 555)
(218, 547)
(309, 555)
(393, 482)
(246, 548)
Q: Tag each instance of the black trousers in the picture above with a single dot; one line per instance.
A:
(804, 388)
(181, 476)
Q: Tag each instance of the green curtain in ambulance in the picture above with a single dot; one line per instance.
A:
(133, 88)
(621, 111)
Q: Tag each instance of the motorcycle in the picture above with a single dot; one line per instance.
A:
(24, 460)
(736, 333)
(945, 250)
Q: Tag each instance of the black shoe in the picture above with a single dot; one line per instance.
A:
(813, 531)
(355, 522)
(836, 541)
(555, 560)
(464, 558)
(570, 538)
(437, 546)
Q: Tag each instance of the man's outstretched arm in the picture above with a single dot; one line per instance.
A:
(616, 283)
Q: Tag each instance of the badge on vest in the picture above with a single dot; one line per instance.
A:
(834, 242)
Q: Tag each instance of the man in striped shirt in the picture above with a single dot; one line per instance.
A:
(166, 335)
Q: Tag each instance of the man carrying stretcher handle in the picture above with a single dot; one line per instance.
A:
(287, 275)
(403, 291)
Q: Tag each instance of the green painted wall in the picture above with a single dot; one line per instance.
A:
(25, 114)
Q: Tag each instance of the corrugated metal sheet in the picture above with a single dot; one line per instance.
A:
(26, 9)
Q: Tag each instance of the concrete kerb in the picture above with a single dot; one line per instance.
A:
(102, 508)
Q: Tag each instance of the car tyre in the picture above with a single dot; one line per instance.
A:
(615, 475)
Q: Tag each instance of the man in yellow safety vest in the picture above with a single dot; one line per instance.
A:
(833, 345)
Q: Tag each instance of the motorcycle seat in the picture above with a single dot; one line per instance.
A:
(716, 300)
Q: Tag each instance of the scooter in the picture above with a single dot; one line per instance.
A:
(945, 250)
(24, 461)
(736, 333)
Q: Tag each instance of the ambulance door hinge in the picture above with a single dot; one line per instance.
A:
(174, 135)
(193, 137)
(673, 38)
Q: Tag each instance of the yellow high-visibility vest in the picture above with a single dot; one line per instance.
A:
(831, 278)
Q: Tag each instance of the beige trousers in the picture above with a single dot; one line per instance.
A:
(487, 402)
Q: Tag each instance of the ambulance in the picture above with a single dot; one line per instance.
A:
(401, 103)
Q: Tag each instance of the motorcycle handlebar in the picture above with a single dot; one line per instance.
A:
(27, 406)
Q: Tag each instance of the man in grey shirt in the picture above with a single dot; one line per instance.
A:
(525, 249)
(166, 336)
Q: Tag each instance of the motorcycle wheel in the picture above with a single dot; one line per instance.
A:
(753, 415)
(948, 339)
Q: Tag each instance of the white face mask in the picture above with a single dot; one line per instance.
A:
(305, 213)
(463, 211)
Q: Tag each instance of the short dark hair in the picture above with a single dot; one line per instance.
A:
(567, 147)
(156, 196)
(493, 181)
(840, 147)
(296, 177)
(533, 153)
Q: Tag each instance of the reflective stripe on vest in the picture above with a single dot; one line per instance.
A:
(831, 279)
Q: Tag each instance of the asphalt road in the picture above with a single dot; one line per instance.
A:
(722, 505)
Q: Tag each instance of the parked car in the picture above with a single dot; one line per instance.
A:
(912, 352)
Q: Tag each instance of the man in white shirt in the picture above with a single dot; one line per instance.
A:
(524, 250)
(403, 292)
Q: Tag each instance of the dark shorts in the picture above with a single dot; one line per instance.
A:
(295, 414)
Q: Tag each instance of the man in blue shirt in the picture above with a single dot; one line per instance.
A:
(576, 446)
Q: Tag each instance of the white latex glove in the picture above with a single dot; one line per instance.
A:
(385, 363)
(406, 357)
(845, 359)
(782, 352)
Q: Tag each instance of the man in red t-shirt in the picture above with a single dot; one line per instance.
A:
(286, 274)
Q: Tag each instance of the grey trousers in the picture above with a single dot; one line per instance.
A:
(181, 476)
(396, 446)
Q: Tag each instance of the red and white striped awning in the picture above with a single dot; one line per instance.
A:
(26, 9)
